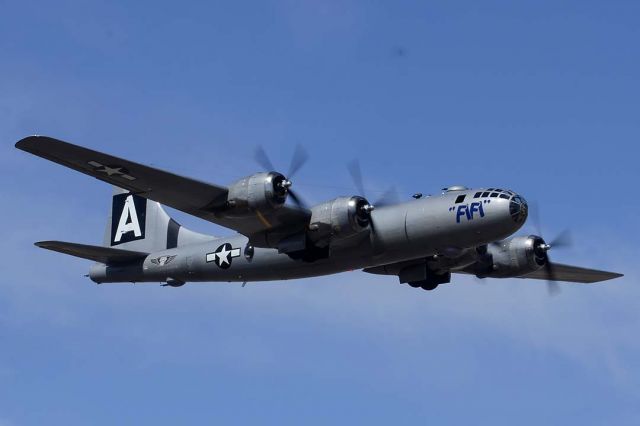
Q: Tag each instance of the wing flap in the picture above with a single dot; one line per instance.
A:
(100, 254)
(572, 274)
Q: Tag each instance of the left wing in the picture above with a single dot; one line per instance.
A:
(191, 196)
(572, 274)
(560, 272)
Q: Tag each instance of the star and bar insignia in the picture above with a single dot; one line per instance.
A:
(223, 255)
(111, 170)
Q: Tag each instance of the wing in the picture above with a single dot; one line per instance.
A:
(560, 272)
(572, 274)
(191, 196)
(97, 253)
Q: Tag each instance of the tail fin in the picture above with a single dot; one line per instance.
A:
(138, 224)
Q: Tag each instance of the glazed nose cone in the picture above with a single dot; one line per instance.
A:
(518, 209)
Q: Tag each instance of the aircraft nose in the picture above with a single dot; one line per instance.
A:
(518, 209)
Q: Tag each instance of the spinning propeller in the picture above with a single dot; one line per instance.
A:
(365, 208)
(542, 248)
(298, 159)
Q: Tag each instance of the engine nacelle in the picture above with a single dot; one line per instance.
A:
(340, 218)
(513, 257)
(262, 191)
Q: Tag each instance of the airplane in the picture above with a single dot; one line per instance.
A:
(421, 241)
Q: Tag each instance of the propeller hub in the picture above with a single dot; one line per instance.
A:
(281, 184)
(361, 209)
(540, 249)
(368, 208)
(286, 184)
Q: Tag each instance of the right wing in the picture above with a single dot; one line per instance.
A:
(191, 196)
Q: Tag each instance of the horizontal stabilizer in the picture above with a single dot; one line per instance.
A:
(99, 254)
(572, 274)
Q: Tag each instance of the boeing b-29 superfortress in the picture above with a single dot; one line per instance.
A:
(421, 241)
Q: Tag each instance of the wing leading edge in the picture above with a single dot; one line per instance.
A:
(194, 197)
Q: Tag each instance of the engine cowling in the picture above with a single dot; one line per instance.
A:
(513, 257)
(262, 191)
(337, 219)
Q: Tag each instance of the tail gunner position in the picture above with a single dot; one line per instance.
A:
(421, 241)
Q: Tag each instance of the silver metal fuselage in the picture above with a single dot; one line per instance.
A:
(434, 225)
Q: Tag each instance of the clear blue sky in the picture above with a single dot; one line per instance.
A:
(541, 97)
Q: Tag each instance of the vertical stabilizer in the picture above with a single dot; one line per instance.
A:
(138, 224)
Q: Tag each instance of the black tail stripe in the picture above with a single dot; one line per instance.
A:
(172, 234)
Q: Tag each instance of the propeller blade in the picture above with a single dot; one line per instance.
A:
(534, 214)
(553, 288)
(356, 175)
(262, 158)
(390, 196)
(297, 200)
(562, 240)
(300, 157)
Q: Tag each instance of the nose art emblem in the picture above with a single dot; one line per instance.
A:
(470, 211)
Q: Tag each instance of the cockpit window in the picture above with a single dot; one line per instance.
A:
(460, 198)
(477, 195)
(485, 194)
(494, 194)
(505, 196)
